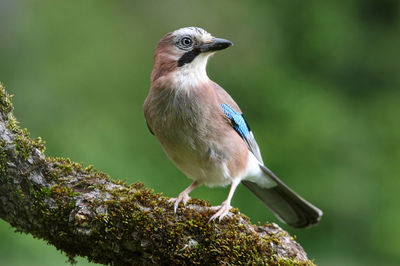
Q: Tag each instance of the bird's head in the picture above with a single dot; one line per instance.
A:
(185, 51)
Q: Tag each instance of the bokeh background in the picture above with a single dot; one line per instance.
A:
(318, 82)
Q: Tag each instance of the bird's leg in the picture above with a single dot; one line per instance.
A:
(225, 206)
(184, 196)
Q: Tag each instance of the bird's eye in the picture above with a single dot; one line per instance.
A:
(186, 42)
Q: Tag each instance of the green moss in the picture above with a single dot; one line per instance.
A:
(3, 160)
(12, 123)
(47, 212)
(5, 100)
(62, 191)
(65, 167)
(24, 144)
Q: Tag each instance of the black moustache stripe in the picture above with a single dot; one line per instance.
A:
(188, 57)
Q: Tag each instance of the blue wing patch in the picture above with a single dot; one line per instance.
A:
(238, 121)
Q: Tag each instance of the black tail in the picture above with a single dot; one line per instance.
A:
(285, 203)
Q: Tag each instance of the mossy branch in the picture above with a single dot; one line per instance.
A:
(82, 212)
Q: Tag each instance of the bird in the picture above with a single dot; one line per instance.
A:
(204, 133)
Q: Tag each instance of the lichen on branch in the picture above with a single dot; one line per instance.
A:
(83, 212)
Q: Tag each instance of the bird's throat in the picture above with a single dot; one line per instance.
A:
(192, 74)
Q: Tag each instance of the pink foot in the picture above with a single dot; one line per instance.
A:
(183, 197)
(222, 211)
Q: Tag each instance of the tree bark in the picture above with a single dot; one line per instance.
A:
(83, 212)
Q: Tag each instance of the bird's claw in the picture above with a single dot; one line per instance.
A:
(183, 197)
(222, 211)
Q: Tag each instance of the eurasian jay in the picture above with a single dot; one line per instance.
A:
(202, 129)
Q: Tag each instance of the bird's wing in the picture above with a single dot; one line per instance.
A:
(241, 126)
(284, 202)
(238, 122)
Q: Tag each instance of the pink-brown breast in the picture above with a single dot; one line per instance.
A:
(194, 132)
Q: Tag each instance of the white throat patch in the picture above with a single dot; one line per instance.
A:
(193, 73)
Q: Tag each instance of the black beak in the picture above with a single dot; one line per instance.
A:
(216, 45)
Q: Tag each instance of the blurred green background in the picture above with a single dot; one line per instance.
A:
(318, 82)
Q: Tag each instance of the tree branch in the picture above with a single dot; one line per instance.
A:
(82, 212)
